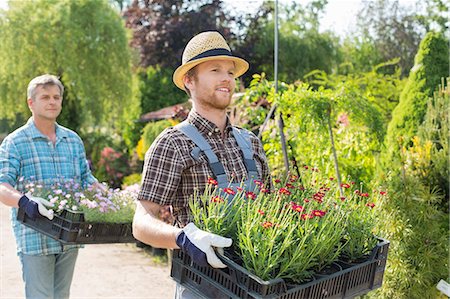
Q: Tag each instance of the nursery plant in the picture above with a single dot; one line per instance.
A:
(298, 228)
(112, 206)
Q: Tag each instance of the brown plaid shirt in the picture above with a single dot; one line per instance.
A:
(171, 174)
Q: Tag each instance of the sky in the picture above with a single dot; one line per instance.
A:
(340, 15)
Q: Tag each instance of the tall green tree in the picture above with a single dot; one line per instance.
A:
(162, 28)
(431, 64)
(388, 29)
(302, 48)
(83, 42)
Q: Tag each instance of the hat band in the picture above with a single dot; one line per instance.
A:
(212, 52)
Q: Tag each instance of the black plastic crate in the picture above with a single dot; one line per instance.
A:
(236, 282)
(69, 227)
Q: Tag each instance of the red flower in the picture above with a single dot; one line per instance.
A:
(264, 190)
(306, 200)
(261, 212)
(250, 195)
(356, 191)
(293, 178)
(297, 208)
(306, 216)
(364, 194)
(284, 191)
(331, 179)
(353, 183)
(277, 181)
(217, 199)
(383, 192)
(301, 188)
(259, 183)
(346, 186)
(370, 204)
(290, 186)
(343, 198)
(239, 189)
(318, 213)
(305, 167)
(212, 181)
(267, 224)
(229, 191)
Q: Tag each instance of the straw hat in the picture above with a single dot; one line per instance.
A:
(206, 46)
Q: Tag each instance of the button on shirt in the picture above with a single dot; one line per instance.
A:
(27, 155)
(171, 173)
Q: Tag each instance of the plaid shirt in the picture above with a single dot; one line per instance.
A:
(171, 174)
(28, 155)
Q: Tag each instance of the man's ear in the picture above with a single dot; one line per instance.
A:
(187, 81)
(29, 102)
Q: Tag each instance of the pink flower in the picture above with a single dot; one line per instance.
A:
(343, 119)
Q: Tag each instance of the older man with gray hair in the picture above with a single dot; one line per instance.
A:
(42, 151)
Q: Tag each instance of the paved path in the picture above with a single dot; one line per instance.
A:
(102, 271)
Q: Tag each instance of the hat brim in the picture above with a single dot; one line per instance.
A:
(241, 66)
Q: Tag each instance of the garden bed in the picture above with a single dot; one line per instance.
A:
(69, 227)
(236, 282)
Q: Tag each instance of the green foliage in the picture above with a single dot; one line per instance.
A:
(130, 128)
(418, 232)
(431, 146)
(298, 33)
(381, 88)
(134, 178)
(83, 42)
(431, 63)
(356, 126)
(415, 217)
(112, 167)
(157, 89)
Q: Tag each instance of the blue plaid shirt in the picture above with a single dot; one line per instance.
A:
(28, 155)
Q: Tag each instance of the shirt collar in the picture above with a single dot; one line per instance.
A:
(204, 125)
(35, 133)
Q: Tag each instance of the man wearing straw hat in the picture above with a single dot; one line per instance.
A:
(206, 145)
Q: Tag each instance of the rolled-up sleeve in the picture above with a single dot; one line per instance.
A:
(87, 178)
(9, 162)
(162, 171)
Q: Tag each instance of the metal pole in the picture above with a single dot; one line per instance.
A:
(280, 119)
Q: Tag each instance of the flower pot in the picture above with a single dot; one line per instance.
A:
(236, 282)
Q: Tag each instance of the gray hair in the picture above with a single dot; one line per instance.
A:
(46, 79)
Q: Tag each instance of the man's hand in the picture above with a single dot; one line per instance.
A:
(198, 244)
(35, 205)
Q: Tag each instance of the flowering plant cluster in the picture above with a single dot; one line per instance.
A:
(301, 226)
(112, 205)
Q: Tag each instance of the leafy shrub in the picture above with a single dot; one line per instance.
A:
(418, 231)
(112, 167)
(157, 89)
(431, 63)
(134, 178)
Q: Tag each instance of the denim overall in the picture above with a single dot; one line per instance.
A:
(243, 140)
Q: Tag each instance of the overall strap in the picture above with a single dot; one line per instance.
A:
(243, 140)
(216, 167)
